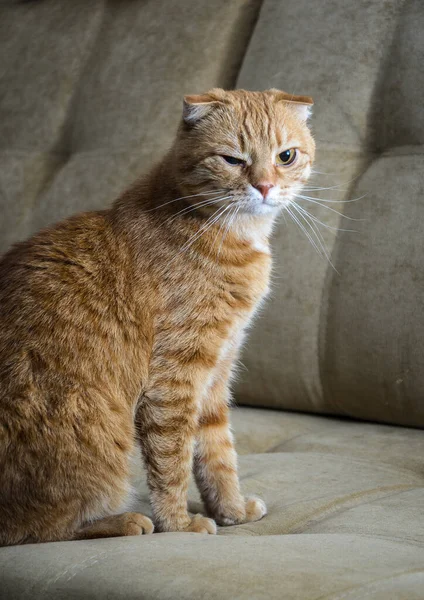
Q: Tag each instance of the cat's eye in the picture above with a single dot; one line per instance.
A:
(287, 157)
(232, 160)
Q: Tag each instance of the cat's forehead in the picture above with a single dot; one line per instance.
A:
(254, 120)
(253, 107)
(247, 121)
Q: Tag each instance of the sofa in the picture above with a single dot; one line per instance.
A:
(330, 393)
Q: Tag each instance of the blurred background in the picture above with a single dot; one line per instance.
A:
(91, 95)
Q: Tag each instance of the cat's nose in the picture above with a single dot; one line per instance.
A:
(264, 187)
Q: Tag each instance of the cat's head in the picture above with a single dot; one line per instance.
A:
(253, 148)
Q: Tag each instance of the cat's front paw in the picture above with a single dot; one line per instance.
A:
(255, 509)
(201, 524)
(252, 510)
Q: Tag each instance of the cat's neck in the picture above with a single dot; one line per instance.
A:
(254, 230)
(158, 197)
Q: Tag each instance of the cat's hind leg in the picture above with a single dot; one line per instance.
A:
(128, 523)
(65, 478)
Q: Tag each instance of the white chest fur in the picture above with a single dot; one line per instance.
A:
(231, 346)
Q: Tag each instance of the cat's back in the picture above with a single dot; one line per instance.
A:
(67, 307)
(79, 259)
(47, 256)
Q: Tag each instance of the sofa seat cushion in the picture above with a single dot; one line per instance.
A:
(344, 521)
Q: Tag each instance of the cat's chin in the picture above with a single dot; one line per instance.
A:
(263, 208)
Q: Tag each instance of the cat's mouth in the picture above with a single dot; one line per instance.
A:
(255, 204)
(251, 201)
(261, 206)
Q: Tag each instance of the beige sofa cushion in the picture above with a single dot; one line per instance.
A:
(92, 95)
(345, 522)
(348, 341)
(88, 102)
(91, 98)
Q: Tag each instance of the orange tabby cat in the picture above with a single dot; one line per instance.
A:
(121, 327)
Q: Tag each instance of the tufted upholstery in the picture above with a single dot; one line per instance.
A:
(90, 95)
(345, 522)
(348, 340)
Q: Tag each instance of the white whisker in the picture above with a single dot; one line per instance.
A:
(185, 197)
(318, 236)
(337, 188)
(222, 226)
(296, 220)
(217, 235)
(314, 172)
(210, 221)
(334, 187)
(314, 218)
(230, 222)
(193, 207)
(332, 200)
(284, 215)
(314, 201)
(331, 187)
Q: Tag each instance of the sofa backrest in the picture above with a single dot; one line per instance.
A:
(91, 96)
(347, 340)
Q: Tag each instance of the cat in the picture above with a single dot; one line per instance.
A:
(120, 328)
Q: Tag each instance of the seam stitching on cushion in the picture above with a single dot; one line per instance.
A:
(374, 586)
(248, 41)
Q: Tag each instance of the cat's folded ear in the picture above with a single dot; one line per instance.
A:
(198, 106)
(301, 104)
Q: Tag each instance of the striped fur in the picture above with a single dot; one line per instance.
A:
(120, 329)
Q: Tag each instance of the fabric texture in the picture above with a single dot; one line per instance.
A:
(344, 522)
(347, 340)
(90, 98)
(92, 95)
